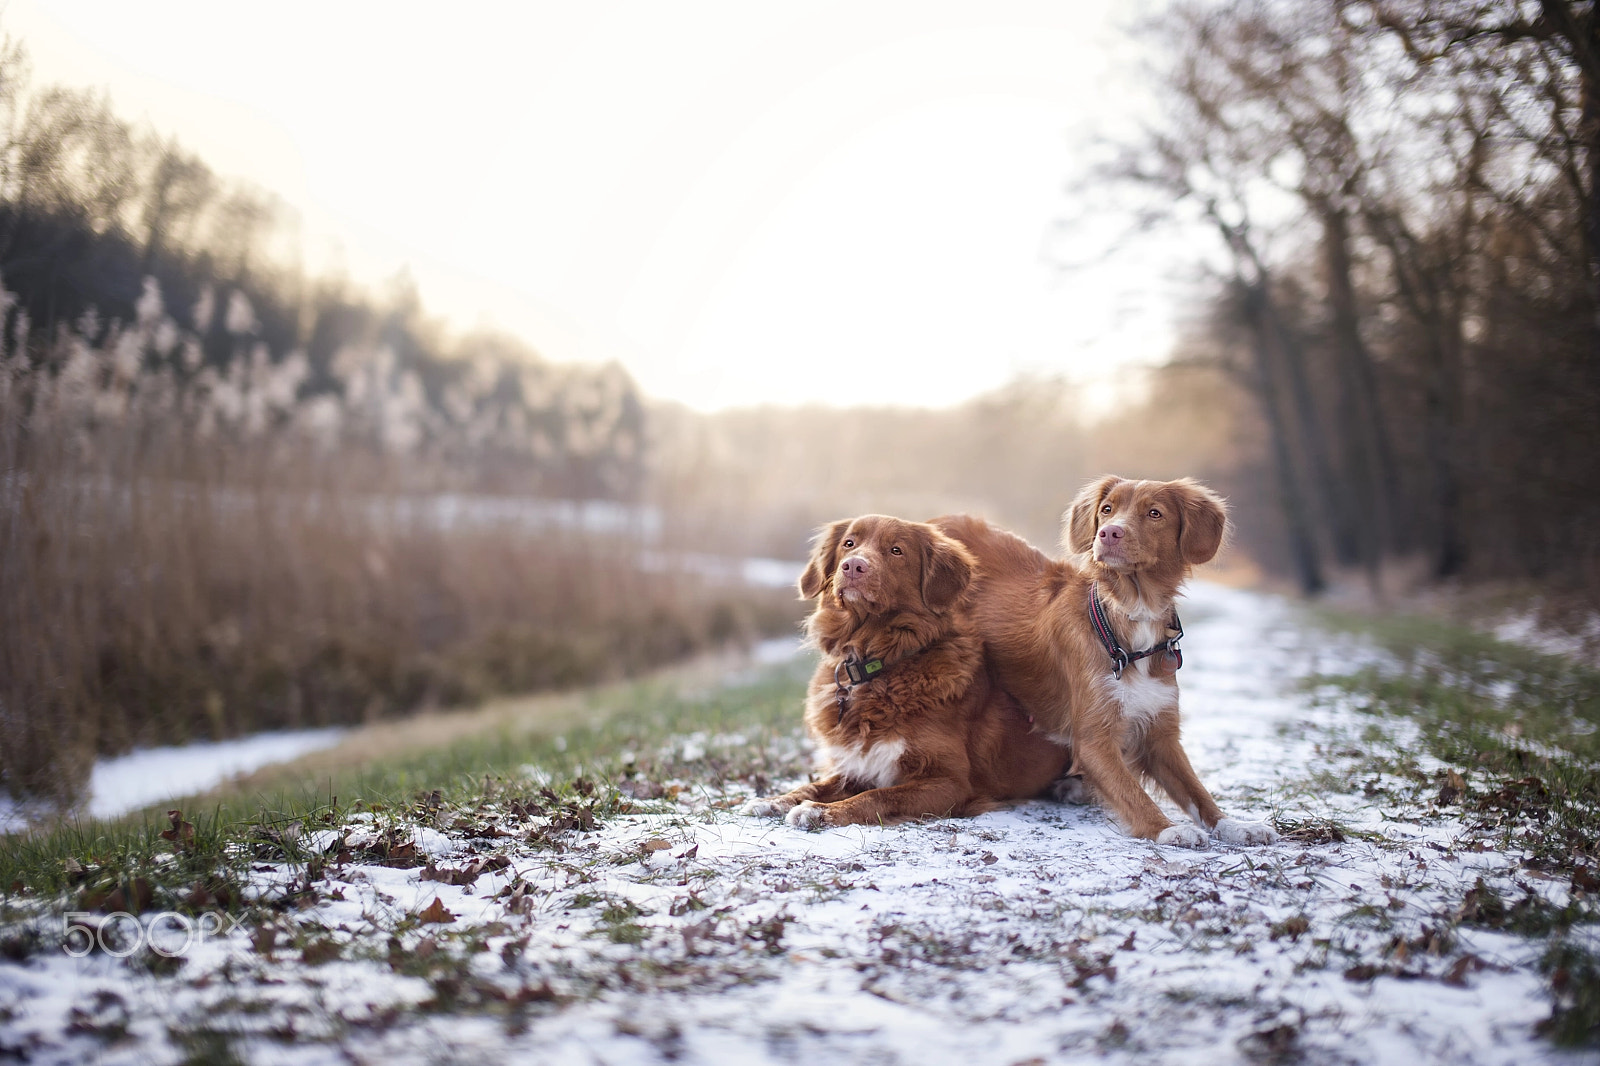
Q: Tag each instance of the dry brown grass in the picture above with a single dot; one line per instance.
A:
(156, 589)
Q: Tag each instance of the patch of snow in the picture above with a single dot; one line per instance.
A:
(17, 815)
(777, 650)
(726, 569)
(1524, 628)
(154, 775)
(433, 843)
(772, 573)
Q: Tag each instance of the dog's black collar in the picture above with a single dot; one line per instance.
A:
(858, 670)
(1120, 658)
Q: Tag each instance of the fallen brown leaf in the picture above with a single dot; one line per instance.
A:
(181, 833)
(436, 913)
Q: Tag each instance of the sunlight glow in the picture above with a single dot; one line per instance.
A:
(741, 203)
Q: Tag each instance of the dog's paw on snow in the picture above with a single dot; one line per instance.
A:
(1072, 790)
(770, 807)
(808, 815)
(1235, 831)
(1182, 836)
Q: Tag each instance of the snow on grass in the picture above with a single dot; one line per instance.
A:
(154, 775)
(1527, 629)
(686, 932)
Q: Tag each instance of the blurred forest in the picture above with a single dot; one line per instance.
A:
(1406, 194)
(1017, 455)
(234, 496)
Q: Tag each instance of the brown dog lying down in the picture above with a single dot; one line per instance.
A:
(1088, 643)
(907, 721)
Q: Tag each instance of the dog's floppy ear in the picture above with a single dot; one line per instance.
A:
(946, 570)
(1083, 517)
(824, 559)
(1203, 521)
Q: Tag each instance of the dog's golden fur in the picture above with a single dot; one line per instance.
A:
(1135, 542)
(930, 734)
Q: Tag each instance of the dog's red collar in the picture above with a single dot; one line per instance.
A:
(1121, 658)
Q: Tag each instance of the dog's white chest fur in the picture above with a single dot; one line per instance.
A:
(1142, 697)
(877, 766)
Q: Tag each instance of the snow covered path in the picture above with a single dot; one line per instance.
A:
(1038, 934)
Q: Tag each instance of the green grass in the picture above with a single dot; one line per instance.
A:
(1518, 732)
(620, 760)
(635, 748)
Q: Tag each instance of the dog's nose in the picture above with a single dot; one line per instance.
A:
(855, 564)
(1110, 533)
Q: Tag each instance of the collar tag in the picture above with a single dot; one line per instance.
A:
(861, 671)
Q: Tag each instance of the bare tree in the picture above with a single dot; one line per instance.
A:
(177, 186)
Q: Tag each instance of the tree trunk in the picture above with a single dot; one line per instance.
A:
(1338, 513)
(1264, 334)
(1370, 460)
(1582, 33)
(1431, 289)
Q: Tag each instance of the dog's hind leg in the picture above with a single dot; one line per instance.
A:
(1072, 788)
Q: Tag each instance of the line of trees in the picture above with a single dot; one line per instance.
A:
(1406, 199)
(142, 287)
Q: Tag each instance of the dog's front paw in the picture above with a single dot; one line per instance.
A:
(809, 815)
(1181, 836)
(1072, 790)
(1234, 831)
(768, 807)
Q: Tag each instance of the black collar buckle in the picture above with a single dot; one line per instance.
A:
(1121, 659)
(858, 670)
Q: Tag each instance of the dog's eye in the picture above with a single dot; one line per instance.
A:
(849, 544)
(896, 550)
(1106, 509)
(1154, 513)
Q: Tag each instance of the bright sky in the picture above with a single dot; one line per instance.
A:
(742, 202)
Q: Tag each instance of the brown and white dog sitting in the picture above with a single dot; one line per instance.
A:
(1088, 644)
(907, 720)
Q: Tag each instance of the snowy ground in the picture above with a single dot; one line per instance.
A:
(154, 775)
(1038, 934)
